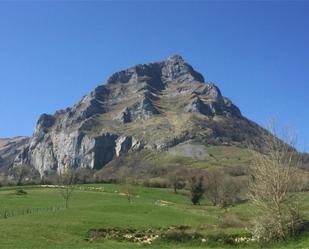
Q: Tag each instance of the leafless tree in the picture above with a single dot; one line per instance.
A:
(128, 189)
(20, 173)
(127, 183)
(84, 175)
(221, 189)
(66, 181)
(274, 185)
(212, 186)
(177, 179)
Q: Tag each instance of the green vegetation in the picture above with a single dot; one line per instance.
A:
(38, 219)
(156, 165)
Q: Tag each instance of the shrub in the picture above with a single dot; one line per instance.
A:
(236, 170)
(231, 220)
(156, 183)
(222, 238)
(266, 229)
(20, 192)
(230, 239)
(273, 188)
(180, 234)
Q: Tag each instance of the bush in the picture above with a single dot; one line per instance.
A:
(266, 229)
(236, 170)
(180, 234)
(20, 192)
(156, 183)
(231, 220)
(273, 187)
(222, 238)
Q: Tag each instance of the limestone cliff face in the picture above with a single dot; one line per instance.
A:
(9, 149)
(152, 106)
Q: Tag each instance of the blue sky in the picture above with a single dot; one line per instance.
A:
(53, 53)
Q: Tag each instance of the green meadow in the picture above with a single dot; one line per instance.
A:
(38, 220)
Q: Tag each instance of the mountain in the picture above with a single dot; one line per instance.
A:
(150, 107)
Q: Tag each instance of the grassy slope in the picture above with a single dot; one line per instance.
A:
(148, 161)
(89, 209)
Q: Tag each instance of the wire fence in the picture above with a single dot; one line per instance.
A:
(7, 213)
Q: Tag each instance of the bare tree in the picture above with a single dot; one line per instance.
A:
(178, 179)
(66, 181)
(84, 175)
(128, 189)
(229, 190)
(20, 173)
(212, 186)
(221, 189)
(127, 183)
(273, 187)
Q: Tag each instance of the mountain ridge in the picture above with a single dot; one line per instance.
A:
(149, 106)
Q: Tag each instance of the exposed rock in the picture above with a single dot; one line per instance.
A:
(177, 70)
(55, 151)
(9, 149)
(198, 106)
(141, 109)
(174, 69)
(123, 145)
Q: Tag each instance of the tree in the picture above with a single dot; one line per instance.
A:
(274, 185)
(177, 180)
(128, 189)
(20, 173)
(221, 189)
(196, 188)
(84, 175)
(228, 192)
(66, 181)
(127, 183)
(212, 188)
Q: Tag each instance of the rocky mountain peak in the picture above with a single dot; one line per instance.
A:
(174, 68)
(148, 106)
(175, 57)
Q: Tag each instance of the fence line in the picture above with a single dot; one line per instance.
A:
(7, 213)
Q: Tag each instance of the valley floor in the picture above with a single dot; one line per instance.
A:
(38, 220)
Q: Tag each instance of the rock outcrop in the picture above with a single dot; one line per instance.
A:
(9, 149)
(153, 106)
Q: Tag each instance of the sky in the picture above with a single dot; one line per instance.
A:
(52, 53)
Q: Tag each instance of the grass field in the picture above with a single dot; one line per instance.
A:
(37, 219)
